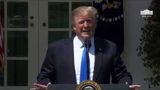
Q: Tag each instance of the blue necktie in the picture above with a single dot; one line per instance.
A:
(84, 74)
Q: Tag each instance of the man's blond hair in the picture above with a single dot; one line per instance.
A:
(82, 9)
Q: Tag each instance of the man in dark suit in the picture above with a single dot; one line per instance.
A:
(62, 63)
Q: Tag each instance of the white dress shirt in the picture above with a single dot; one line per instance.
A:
(78, 50)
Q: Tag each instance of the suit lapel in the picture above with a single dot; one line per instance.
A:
(70, 62)
(98, 59)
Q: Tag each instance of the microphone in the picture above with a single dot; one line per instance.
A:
(87, 44)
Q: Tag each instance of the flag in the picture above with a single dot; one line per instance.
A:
(110, 22)
(1, 44)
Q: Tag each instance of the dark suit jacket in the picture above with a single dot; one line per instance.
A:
(58, 66)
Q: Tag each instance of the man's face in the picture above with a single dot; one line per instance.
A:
(84, 26)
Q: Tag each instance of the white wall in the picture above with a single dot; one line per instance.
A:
(133, 23)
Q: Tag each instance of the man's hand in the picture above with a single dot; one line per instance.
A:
(134, 87)
(37, 86)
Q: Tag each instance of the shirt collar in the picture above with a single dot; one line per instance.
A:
(78, 43)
